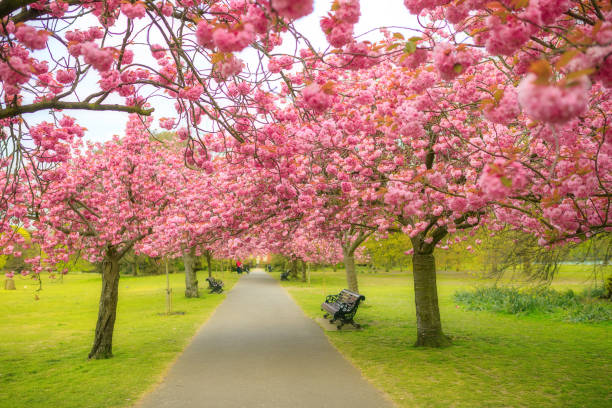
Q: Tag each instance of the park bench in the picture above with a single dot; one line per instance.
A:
(285, 275)
(214, 285)
(342, 307)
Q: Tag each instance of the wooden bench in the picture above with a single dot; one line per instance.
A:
(285, 275)
(214, 285)
(342, 307)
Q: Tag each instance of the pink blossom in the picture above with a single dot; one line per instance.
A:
(166, 123)
(257, 18)
(128, 57)
(166, 8)
(315, 98)
(31, 37)
(543, 12)
(135, 10)
(158, 51)
(230, 66)
(10, 28)
(452, 61)
(58, 8)
(233, 40)
(416, 6)
(292, 9)
(340, 35)
(506, 37)
(204, 34)
(276, 64)
(192, 93)
(110, 80)
(417, 58)
(506, 109)
(348, 11)
(17, 72)
(553, 103)
(100, 59)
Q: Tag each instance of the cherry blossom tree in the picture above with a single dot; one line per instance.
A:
(454, 143)
(128, 57)
(491, 113)
(101, 203)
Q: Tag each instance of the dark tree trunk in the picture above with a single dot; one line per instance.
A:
(208, 263)
(429, 326)
(107, 312)
(294, 269)
(303, 264)
(349, 266)
(191, 280)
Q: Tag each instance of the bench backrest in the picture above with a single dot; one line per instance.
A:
(349, 298)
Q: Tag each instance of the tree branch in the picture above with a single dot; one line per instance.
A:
(8, 6)
(35, 107)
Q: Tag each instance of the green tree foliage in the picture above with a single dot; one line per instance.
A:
(389, 253)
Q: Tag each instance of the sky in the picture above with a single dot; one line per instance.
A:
(101, 126)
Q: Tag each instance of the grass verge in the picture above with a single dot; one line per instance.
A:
(44, 343)
(496, 360)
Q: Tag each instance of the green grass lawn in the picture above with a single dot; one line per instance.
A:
(496, 360)
(44, 343)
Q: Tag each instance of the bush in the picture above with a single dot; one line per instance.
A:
(590, 312)
(540, 300)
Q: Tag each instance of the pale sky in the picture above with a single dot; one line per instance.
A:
(101, 126)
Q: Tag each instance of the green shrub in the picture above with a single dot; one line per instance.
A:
(590, 312)
(539, 300)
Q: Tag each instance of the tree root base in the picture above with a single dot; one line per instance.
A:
(438, 341)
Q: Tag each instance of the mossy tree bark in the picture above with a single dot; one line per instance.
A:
(429, 325)
(191, 280)
(107, 312)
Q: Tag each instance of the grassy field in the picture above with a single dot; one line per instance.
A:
(44, 343)
(497, 360)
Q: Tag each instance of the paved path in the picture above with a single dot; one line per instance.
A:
(259, 350)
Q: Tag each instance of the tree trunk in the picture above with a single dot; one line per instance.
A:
(526, 265)
(191, 281)
(107, 311)
(208, 263)
(429, 326)
(294, 269)
(349, 266)
(303, 271)
(9, 284)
